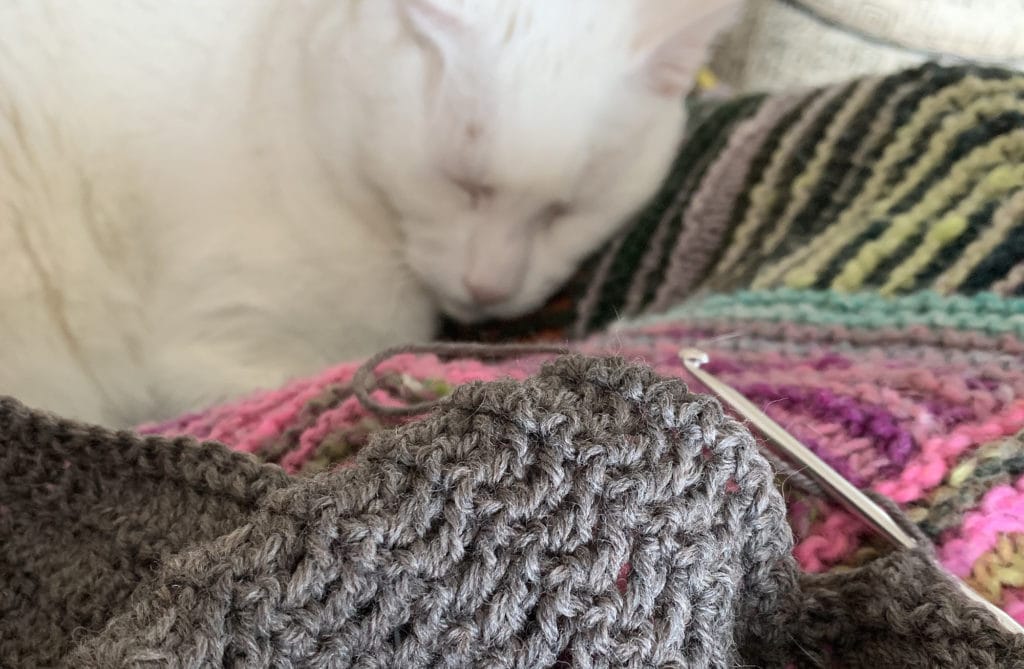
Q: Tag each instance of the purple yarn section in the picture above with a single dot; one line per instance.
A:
(859, 419)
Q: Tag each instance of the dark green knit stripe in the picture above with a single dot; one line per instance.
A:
(966, 143)
(693, 160)
(988, 474)
(842, 179)
(905, 97)
(998, 263)
(802, 155)
(675, 223)
(937, 81)
(979, 222)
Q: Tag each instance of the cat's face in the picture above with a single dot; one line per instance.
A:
(541, 126)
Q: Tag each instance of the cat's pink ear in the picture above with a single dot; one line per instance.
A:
(672, 62)
(437, 25)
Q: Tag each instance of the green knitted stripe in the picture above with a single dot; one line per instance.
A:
(863, 143)
(935, 166)
(979, 313)
(979, 222)
(905, 192)
(996, 265)
(979, 127)
(977, 136)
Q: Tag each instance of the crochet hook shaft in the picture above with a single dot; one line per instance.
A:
(829, 479)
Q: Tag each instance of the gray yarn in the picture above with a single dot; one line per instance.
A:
(489, 534)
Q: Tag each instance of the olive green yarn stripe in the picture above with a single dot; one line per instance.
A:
(806, 184)
(904, 196)
(908, 203)
(978, 126)
(981, 175)
(878, 197)
(907, 90)
(766, 192)
(1010, 214)
(978, 222)
(996, 185)
(972, 138)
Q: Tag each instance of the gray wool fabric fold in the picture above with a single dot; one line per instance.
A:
(595, 515)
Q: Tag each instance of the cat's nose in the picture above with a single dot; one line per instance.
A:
(485, 294)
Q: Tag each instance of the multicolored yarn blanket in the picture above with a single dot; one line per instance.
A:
(852, 258)
(595, 515)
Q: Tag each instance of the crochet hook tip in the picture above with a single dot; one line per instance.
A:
(694, 358)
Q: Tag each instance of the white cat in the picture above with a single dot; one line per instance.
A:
(199, 198)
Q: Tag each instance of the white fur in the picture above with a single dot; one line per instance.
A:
(203, 197)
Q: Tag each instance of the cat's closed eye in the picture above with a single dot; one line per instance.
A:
(550, 214)
(477, 192)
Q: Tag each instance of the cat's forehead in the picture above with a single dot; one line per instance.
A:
(521, 137)
(531, 93)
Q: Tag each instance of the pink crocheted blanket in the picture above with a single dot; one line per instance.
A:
(919, 398)
(908, 186)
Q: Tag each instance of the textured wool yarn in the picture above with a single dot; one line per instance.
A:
(595, 515)
(913, 389)
(919, 398)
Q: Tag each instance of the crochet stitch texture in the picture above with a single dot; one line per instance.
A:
(597, 514)
(916, 394)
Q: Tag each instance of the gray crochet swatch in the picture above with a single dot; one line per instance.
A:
(597, 515)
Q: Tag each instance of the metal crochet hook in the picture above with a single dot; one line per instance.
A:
(829, 479)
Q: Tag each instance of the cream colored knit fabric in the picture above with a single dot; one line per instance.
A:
(780, 44)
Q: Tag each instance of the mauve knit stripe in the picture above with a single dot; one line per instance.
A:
(1012, 282)
(590, 300)
(764, 194)
(649, 263)
(649, 273)
(706, 220)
